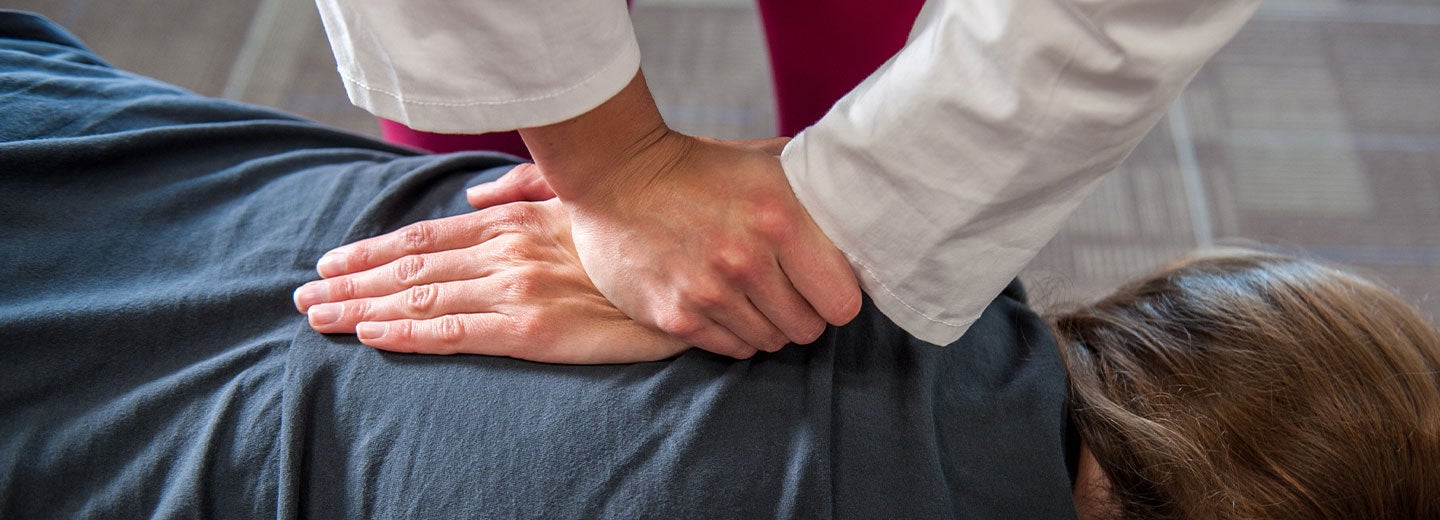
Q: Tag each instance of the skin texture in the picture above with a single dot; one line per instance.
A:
(504, 281)
(699, 238)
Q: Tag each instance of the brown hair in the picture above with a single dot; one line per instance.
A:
(1254, 385)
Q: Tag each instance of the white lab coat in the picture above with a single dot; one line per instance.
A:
(939, 177)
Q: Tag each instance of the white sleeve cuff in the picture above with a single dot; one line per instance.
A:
(480, 66)
(479, 116)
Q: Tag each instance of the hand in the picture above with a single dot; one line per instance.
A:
(505, 281)
(704, 239)
(700, 238)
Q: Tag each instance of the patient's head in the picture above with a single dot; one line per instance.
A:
(1251, 385)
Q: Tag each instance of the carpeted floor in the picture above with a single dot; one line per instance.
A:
(1317, 130)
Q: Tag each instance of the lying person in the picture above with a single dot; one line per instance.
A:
(153, 365)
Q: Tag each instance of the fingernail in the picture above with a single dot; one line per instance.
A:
(371, 330)
(473, 190)
(325, 314)
(311, 294)
(332, 264)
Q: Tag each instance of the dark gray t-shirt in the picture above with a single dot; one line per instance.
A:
(152, 363)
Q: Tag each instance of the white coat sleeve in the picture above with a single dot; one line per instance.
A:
(944, 173)
(473, 66)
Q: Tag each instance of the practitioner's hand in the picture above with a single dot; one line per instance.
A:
(505, 281)
(705, 240)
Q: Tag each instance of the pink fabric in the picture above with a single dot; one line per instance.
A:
(819, 50)
(508, 142)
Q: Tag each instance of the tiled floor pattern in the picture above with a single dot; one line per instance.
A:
(1317, 130)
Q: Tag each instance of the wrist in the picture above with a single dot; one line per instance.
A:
(590, 155)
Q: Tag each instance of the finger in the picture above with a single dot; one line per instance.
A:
(408, 271)
(820, 273)
(757, 276)
(428, 236)
(521, 183)
(744, 321)
(702, 332)
(418, 302)
(497, 334)
(775, 297)
(719, 340)
(472, 333)
(731, 306)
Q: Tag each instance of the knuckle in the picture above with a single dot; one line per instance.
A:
(342, 288)
(527, 245)
(529, 327)
(360, 310)
(450, 330)
(402, 331)
(773, 221)
(709, 298)
(512, 247)
(685, 326)
(421, 299)
(418, 237)
(526, 283)
(736, 263)
(514, 216)
(409, 269)
(724, 258)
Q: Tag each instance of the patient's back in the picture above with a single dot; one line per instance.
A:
(152, 362)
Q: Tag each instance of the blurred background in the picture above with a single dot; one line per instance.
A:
(1317, 130)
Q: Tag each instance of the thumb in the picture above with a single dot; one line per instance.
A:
(521, 183)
